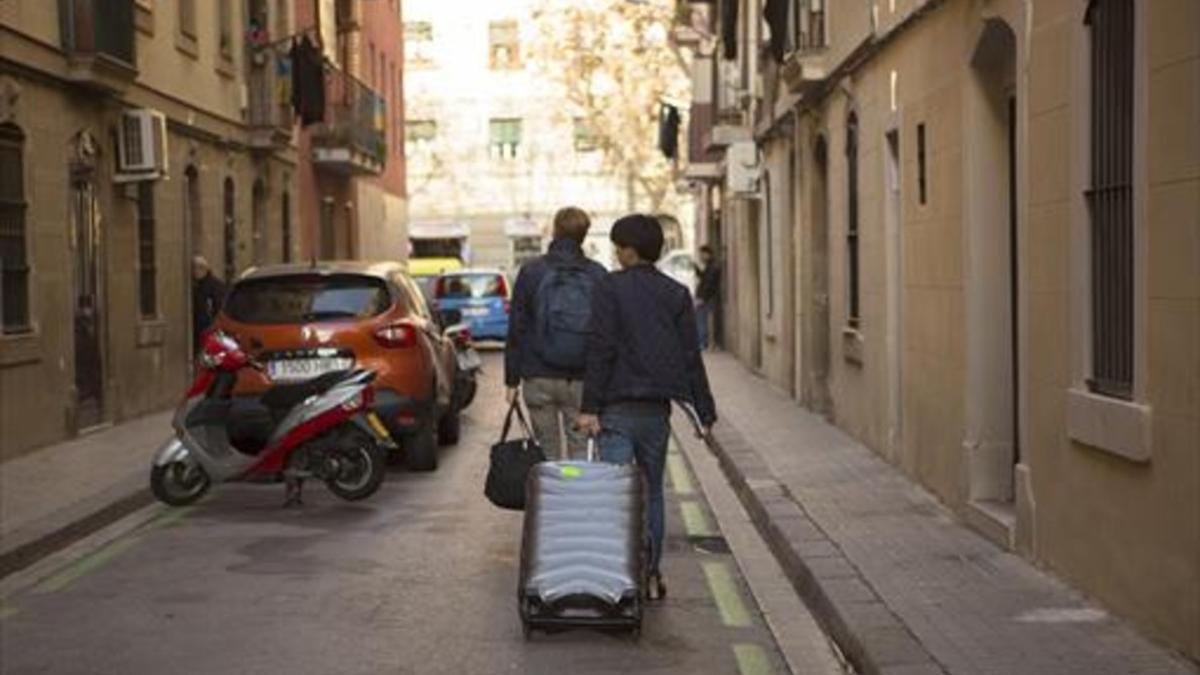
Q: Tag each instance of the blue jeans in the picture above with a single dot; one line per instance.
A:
(641, 436)
(703, 318)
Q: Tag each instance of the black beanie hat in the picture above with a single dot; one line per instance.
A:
(640, 232)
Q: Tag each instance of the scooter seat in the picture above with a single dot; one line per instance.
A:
(283, 397)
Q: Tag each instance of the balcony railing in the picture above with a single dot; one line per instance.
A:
(352, 138)
(270, 113)
(92, 27)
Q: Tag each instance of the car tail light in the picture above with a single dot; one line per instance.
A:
(397, 335)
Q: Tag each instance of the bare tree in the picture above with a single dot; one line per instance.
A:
(614, 63)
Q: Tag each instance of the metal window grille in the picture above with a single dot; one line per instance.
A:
(921, 194)
(1110, 196)
(852, 263)
(14, 265)
(147, 272)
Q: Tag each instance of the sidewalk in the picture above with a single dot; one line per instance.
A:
(63, 492)
(901, 585)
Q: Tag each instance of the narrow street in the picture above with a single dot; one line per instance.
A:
(419, 579)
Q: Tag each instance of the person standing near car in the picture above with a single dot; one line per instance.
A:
(207, 295)
(643, 354)
(708, 293)
(546, 352)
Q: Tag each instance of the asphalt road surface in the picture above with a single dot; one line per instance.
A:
(419, 579)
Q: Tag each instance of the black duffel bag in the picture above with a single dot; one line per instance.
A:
(511, 462)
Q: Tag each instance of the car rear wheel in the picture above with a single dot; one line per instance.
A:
(449, 427)
(420, 449)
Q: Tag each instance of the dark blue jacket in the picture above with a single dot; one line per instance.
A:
(521, 360)
(643, 345)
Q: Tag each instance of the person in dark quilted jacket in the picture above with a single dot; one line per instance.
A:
(643, 353)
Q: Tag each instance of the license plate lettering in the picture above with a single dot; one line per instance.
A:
(303, 369)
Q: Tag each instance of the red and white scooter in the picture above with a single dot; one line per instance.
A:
(322, 428)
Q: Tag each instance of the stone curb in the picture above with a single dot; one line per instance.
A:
(67, 529)
(872, 637)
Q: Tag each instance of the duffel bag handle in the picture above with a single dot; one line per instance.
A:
(515, 408)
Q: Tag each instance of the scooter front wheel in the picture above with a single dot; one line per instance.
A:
(179, 483)
(359, 473)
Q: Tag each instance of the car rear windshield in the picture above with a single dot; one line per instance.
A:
(308, 297)
(470, 286)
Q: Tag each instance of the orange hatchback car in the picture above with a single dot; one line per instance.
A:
(302, 321)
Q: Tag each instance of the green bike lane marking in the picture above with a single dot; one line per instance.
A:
(751, 658)
(680, 479)
(96, 559)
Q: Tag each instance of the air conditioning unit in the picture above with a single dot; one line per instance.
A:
(742, 169)
(141, 145)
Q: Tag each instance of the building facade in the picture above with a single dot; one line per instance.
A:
(352, 166)
(969, 235)
(134, 134)
(493, 151)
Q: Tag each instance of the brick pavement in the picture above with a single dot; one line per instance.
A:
(899, 582)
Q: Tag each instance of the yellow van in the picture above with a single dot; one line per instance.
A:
(425, 270)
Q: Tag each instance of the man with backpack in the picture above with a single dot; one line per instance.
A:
(643, 353)
(548, 334)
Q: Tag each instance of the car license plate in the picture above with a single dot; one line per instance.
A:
(285, 370)
(475, 311)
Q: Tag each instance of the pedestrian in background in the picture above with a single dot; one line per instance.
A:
(207, 295)
(708, 293)
(642, 354)
(546, 352)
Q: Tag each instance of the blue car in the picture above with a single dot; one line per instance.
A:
(481, 295)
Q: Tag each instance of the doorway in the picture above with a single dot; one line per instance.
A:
(895, 281)
(230, 231)
(89, 317)
(992, 440)
(819, 282)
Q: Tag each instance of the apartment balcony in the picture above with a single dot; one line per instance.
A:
(98, 38)
(804, 70)
(270, 114)
(351, 140)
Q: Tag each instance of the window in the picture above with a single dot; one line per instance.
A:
(187, 17)
(585, 136)
(504, 51)
(1110, 196)
(374, 67)
(921, 194)
(808, 23)
(853, 316)
(505, 137)
(230, 232)
(302, 298)
(418, 44)
(225, 28)
(286, 225)
(14, 265)
(147, 274)
(418, 137)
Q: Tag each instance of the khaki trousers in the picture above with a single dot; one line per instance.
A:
(553, 406)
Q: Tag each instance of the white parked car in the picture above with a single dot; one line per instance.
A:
(680, 265)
